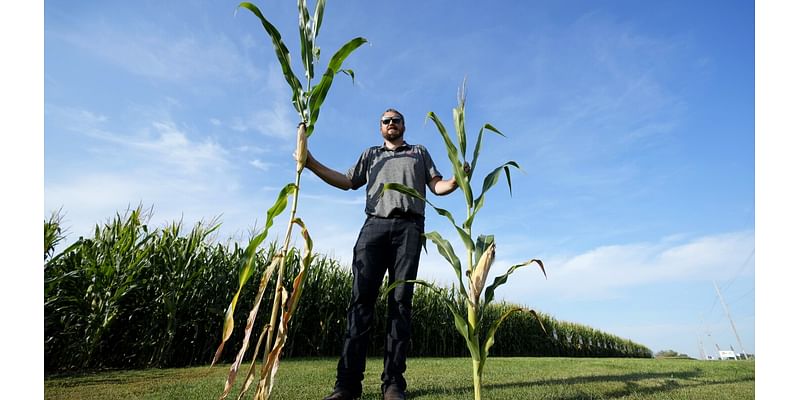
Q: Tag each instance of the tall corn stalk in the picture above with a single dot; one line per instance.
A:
(307, 101)
(480, 253)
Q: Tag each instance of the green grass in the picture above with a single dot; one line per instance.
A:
(442, 378)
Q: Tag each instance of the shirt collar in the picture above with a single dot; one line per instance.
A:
(403, 146)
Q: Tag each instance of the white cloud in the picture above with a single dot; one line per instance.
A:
(251, 149)
(259, 164)
(275, 122)
(172, 146)
(160, 165)
(608, 271)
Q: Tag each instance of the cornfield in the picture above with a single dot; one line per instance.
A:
(133, 296)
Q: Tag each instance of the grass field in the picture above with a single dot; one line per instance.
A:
(442, 378)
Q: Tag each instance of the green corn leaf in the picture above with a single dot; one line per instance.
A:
(320, 90)
(246, 268)
(488, 182)
(462, 326)
(461, 134)
(283, 57)
(446, 250)
(316, 24)
(465, 237)
(477, 149)
(306, 39)
(458, 119)
(500, 280)
(350, 73)
(489, 339)
(452, 154)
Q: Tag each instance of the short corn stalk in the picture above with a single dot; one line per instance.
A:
(307, 101)
(480, 253)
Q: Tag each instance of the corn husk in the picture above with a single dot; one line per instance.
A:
(479, 274)
(302, 147)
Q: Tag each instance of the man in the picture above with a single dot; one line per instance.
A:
(391, 239)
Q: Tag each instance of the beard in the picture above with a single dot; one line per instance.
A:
(393, 134)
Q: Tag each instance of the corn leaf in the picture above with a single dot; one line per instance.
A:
(461, 134)
(350, 73)
(477, 149)
(452, 154)
(502, 279)
(441, 211)
(458, 119)
(262, 287)
(251, 371)
(320, 90)
(270, 367)
(539, 320)
(283, 57)
(299, 280)
(246, 263)
(489, 339)
(289, 303)
(306, 39)
(316, 24)
(488, 182)
(461, 324)
(446, 250)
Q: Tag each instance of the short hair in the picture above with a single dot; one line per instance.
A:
(394, 111)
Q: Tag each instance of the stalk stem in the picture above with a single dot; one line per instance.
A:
(476, 379)
(472, 317)
(276, 302)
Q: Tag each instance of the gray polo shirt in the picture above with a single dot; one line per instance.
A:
(409, 164)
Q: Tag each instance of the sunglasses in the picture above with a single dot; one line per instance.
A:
(392, 120)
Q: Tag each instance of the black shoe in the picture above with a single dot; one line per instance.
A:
(394, 393)
(341, 394)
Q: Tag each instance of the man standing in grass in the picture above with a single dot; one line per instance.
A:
(391, 239)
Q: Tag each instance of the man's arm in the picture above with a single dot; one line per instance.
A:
(331, 177)
(441, 186)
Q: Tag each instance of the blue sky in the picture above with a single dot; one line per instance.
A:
(633, 122)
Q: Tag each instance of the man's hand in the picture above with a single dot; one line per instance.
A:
(308, 153)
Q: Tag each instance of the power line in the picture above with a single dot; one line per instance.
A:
(739, 271)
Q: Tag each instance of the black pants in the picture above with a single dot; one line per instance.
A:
(392, 244)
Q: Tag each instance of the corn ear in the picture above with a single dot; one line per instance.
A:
(302, 147)
(478, 276)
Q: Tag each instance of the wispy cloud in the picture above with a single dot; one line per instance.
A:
(150, 51)
(260, 164)
(157, 163)
(160, 141)
(275, 122)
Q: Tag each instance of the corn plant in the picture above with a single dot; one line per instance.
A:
(53, 233)
(480, 253)
(96, 278)
(307, 101)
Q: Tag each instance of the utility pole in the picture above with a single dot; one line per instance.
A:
(725, 307)
(702, 349)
